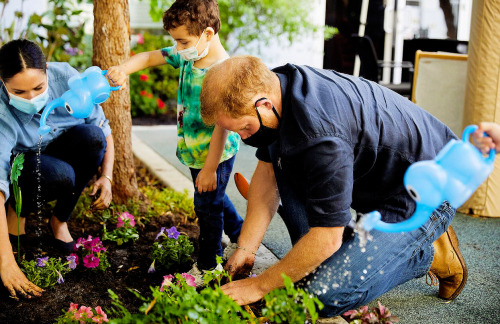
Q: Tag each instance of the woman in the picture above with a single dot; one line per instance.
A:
(71, 153)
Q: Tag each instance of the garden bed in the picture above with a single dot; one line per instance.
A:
(128, 269)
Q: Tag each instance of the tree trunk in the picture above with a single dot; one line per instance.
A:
(111, 44)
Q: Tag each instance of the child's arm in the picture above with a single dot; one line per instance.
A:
(490, 142)
(118, 73)
(207, 178)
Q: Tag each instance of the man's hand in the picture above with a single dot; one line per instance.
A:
(490, 142)
(245, 291)
(117, 76)
(16, 282)
(240, 264)
(206, 180)
(103, 185)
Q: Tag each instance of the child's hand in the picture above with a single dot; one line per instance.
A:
(117, 76)
(206, 180)
(490, 142)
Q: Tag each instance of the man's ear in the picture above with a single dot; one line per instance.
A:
(209, 31)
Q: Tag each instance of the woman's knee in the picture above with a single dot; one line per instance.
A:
(91, 136)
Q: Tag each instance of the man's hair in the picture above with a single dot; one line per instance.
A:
(230, 86)
(196, 15)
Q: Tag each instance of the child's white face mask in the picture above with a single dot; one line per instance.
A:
(191, 53)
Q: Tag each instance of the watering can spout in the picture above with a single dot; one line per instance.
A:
(45, 129)
(373, 221)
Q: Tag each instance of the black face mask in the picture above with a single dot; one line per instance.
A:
(264, 136)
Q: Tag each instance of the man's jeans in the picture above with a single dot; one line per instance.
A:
(215, 213)
(352, 277)
(66, 166)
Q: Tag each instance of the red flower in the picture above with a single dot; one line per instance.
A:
(144, 77)
(132, 53)
(143, 93)
(161, 104)
(150, 95)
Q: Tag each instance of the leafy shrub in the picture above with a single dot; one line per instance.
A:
(153, 91)
(45, 272)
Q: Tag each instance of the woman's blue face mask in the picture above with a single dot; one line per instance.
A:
(30, 106)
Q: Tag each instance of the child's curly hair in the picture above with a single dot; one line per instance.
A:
(196, 15)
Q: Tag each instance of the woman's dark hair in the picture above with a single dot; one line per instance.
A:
(20, 54)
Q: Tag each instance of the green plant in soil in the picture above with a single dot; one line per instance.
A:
(124, 232)
(290, 304)
(45, 272)
(171, 249)
(15, 173)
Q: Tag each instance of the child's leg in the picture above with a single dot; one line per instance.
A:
(232, 220)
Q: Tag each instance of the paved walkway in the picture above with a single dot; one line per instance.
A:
(413, 302)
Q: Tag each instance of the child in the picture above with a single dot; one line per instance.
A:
(209, 152)
(486, 143)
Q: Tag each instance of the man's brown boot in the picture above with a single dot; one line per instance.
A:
(241, 184)
(448, 266)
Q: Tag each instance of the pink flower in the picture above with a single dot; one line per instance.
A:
(189, 279)
(83, 313)
(89, 261)
(72, 307)
(144, 77)
(101, 316)
(167, 281)
(140, 39)
(122, 219)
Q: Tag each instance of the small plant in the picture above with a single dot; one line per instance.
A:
(93, 253)
(82, 315)
(365, 315)
(15, 173)
(125, 230)
(46, 272)
(181, 303)
(172, 249)
(215, 276)
(290, 304)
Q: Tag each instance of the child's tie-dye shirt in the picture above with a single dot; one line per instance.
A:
(193, 136)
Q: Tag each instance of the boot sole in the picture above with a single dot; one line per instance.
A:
(454, 243)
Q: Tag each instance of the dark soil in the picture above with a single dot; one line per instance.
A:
(129, 266)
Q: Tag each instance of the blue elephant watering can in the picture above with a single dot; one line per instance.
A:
(85, 91)
(453, 175)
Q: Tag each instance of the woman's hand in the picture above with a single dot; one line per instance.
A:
(103, 184)
(117, 76)
(206, 180)
(16, 282)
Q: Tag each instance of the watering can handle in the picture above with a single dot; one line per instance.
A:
(112, 88)
(465, 137)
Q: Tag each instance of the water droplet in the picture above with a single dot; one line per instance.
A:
(362, 277)
(364, 271)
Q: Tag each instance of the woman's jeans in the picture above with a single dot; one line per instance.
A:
(353, 276)
(66, 166)
(215, 213)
